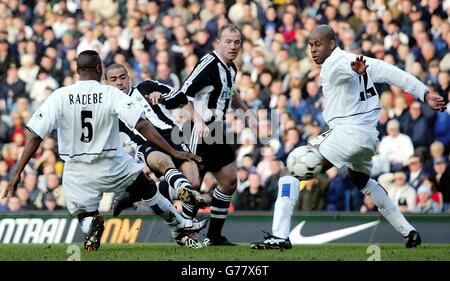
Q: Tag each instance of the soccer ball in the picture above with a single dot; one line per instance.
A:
(304, 162)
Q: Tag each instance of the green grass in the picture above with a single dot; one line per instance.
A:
(172, 252)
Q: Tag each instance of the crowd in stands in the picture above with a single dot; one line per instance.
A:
(163, 40)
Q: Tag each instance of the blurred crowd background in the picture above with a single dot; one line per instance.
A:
(163, 40)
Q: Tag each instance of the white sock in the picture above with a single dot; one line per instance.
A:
(86, 224)
(288, 194)
(387, 207)
(163, 208)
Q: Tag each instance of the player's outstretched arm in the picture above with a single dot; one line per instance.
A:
(30, 149)
(383, 72)
(151, 134)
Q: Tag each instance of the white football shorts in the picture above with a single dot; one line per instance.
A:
(84, 184)
(350, 146)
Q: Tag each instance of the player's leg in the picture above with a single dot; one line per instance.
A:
(83, 194)
(179, 186)
(190, 170)
(144, 191)
(227, 183)
(386, 206)
(85, 207)
(92, 225)
(288, 194)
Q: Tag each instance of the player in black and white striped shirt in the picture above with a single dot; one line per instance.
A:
(162, 98)
(210, 89)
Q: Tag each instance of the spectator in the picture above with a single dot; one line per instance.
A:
(403, 205)
(38, 90)
(13, 88)
(242, 175)
(416, 171)
(254, 196)
(436, 195)
(416, 127)
(24, 198)
(312, 197)
(13, 204)
(3, 201)
(50, 203)
(292, 140)
(442, 178)
(437, 150)
(395, 148)
(339, 183)
(264, 167)
(442, 127)
(54, 187)
(425, 205)
(397, 188)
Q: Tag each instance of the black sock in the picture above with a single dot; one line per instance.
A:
(177, 180)
(219, 211)
(163, 187)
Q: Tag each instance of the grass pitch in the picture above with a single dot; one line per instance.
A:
(172, 252)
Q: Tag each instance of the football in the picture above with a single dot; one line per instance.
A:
(304, 162)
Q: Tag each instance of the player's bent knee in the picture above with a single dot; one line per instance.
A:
(229, 185)
(190, 170)
(195, 182)
(160, 161)
(358, 179)
(142, 188)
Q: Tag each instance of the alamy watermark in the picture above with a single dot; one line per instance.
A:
(375, 253)
(259, 128)
(74, 253)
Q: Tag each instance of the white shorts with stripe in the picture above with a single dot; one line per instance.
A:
(350, 146)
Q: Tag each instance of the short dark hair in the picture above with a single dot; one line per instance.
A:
(88, 60)
(114, 66)
(232, 27)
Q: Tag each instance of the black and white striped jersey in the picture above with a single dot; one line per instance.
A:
(159, 114)
(210, 87)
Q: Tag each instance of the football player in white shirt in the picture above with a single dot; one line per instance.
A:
(85, 117)
(352, 111)
(156, 99)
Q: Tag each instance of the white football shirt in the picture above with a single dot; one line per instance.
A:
(85, 115)
(351, 99)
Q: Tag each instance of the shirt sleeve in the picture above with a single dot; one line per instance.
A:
(381, 71)
(340, 70)
(198, 79)
(126, 108)
(45, 118)
(149, 86)
(171, 97)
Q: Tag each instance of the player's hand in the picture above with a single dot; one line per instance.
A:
(201, 129)
(154, 98)
(12, 186)
(187, 156)
(435, 101)
(359, 65)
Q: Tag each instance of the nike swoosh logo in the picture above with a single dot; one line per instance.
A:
(296, 236)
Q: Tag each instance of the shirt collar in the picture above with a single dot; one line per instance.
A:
(221, 60)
